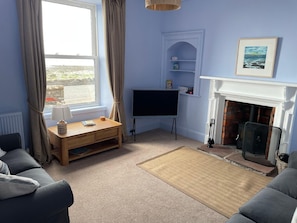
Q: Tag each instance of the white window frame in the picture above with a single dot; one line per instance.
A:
(95, 50)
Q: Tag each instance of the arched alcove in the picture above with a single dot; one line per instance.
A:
(182, 53)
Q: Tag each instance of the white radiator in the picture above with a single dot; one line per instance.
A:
(12, 123)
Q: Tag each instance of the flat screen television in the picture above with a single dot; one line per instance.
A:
(152, 103)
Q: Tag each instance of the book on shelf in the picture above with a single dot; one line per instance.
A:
(79, 151)
(88, 123)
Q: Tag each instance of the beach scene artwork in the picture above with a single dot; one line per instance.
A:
(255, 57)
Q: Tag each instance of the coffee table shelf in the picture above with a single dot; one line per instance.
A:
(94, 149)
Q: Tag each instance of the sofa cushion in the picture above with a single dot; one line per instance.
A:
(268, 206)
(293, 160)
(2, 152)
(14, 186)
(286, 182)
(4, 168)
(37, 174)
(19, 160)
(294, 218)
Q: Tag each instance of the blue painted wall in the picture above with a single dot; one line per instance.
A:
(227, 21)
(143, 56)
(224, 23)
(13, 97)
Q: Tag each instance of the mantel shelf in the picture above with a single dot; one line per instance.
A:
(250, 81)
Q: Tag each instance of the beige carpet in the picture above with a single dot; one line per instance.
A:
(110, 188)
(216, 183)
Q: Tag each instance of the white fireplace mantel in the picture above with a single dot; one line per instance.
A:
(281, 96)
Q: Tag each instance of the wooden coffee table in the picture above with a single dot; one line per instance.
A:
(81, 141)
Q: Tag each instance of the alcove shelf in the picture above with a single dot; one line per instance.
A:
(181, 60)
(181, 71)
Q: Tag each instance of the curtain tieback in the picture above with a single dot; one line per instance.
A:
(34, 109)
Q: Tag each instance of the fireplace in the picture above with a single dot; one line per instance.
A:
(236, 114)
(250, 128)
(268, 102)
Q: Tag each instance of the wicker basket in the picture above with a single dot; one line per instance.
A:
(281, 165)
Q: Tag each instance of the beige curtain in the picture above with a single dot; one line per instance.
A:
(114, 12)
(31, 35)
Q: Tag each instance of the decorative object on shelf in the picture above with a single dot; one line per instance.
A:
(190, 90)
(61, 113)
(183, 89)
(255, 57)
(169, 84)
(163, 5)
(79, 151)
(175, 66)
(174, 58)
(211, 133)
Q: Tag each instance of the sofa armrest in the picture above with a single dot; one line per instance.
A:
(292, 163)
(10, 141)
(38, 206)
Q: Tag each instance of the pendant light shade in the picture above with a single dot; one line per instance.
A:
(163, 5)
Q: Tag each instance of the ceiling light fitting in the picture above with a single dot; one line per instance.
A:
(163, 5)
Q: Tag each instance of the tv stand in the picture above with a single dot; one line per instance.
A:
(173, 128)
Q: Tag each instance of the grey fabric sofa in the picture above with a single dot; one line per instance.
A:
(47, 203)
(276, 203)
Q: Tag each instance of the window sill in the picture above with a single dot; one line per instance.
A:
(79, 114)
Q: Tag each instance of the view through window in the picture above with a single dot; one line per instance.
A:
(69, 29)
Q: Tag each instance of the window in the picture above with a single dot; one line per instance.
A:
(69, 30)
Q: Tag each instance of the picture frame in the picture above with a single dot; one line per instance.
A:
(256, 57)
(169, 84)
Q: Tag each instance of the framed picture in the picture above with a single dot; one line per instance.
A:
(169, 84)
(255, 57)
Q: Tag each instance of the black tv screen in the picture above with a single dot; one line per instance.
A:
(155, 103)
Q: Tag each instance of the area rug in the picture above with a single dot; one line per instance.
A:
(214, 182)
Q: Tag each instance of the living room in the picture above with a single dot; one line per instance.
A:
(224, 23)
